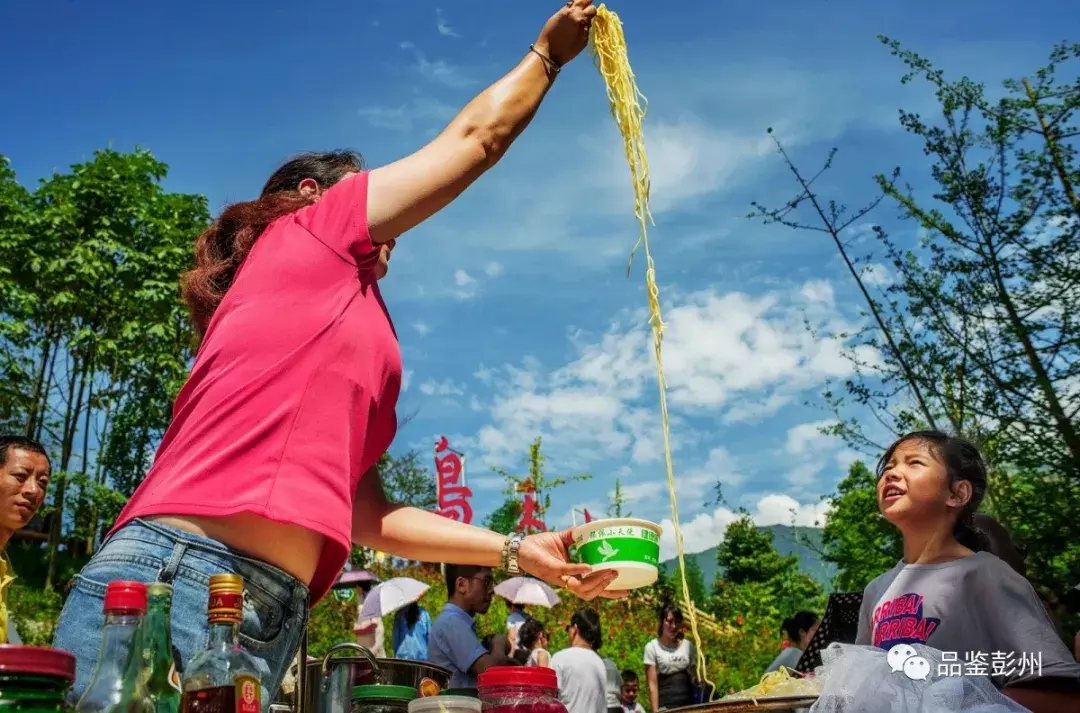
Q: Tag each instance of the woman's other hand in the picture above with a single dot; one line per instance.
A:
(567, 32)
(547, 557)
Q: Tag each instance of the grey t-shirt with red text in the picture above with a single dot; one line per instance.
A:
(977, 608)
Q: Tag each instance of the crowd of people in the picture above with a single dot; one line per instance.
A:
(588, 682)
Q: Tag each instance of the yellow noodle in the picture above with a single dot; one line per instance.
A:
(628, 106)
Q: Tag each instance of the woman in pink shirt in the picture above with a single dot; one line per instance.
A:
(269, 467)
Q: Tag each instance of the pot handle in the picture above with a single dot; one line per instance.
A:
(349, 646)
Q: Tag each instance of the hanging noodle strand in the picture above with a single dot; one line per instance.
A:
(628, 107)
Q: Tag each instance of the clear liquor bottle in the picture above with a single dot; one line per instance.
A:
(162, 677)
(117, 684)
(225, 677)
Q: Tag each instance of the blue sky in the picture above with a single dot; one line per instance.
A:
(514, 311)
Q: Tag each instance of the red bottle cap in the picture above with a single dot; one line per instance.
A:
(533, 676)
(37, 660)
(125, 597)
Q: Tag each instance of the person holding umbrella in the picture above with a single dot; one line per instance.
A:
(398, 595)
(412, 626)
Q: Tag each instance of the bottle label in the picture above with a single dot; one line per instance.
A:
(225, 607)
(248, 695)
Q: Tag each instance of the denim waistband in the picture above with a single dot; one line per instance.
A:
(177, 543)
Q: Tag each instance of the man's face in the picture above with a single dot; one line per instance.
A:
(24, 477)
(629, 692)
(480, 588)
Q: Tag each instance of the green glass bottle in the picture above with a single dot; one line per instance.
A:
(163, 679)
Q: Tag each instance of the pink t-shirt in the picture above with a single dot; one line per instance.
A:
(292, 396)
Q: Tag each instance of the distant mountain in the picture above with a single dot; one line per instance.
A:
(803, 542)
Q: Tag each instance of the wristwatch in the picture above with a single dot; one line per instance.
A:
(510, 554)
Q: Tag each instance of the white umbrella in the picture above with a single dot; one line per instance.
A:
(527, 592)
(393, 594)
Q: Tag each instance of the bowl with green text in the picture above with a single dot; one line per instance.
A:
(627, 545)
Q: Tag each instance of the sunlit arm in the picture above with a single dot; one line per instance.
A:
(415, 534)
(411, 190)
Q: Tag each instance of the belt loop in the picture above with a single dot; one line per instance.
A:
(167, 573)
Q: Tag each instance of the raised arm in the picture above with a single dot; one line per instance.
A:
(419, 535)
(411, 190)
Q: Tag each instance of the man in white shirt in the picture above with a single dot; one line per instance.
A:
(581, 671)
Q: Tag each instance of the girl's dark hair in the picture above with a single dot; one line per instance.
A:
(529, 633)
(999, 542)
(801, 621)
(962, 461)
(675, 611)
(587, 622)
(412, 615)
(222, 247)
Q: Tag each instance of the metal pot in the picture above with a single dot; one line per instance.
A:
(328, 682)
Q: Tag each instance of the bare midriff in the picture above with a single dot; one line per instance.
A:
(291, 548)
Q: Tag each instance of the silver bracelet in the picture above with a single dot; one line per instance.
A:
(510, 554)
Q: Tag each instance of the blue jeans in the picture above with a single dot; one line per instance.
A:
(275, 603)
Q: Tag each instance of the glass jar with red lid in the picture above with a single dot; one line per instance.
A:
(520, 689)
(35, 679)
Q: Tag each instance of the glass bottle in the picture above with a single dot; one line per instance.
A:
(225, 677)
(162, 678)
(117, 684)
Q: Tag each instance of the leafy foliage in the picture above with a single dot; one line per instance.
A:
(536, 479)
(857, 539)
(975, 329)
(505, 518)
(758, 582)
(94, 338)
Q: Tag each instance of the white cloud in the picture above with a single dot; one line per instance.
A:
(876, 275)
(707, 529)
(808, 437)
(406, 379)
(687, 159)
(441, 25)
(438, 71)
(441, 388)
(721, 352)
(421, 328)
(493, 269)
(467, 286)
(417, 113)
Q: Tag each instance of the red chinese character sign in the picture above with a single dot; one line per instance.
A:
(450, 483)
(530, 510)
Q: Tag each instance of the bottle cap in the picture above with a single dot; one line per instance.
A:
(159, 589)
(226, 598)
(37, 661)
(526, 676)
(125, 597)
(226, 584)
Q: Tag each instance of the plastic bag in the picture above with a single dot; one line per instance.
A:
(866, 679)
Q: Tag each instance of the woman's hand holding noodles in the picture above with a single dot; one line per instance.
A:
(567, 32)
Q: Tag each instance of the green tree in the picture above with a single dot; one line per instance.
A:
(505, 518)
(976, 331)
(537, 479)
(408, 481)
(695, 582)
(94, 336)
(857, 539)
(618, 502)
(756, 582)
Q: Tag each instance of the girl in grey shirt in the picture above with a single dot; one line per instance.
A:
(947, 593)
